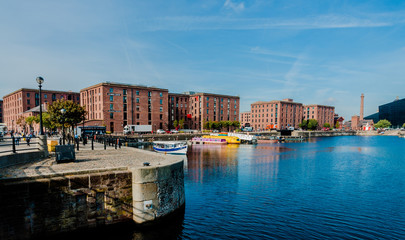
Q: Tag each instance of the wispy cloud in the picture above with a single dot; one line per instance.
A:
(330, 21)
(237, 7)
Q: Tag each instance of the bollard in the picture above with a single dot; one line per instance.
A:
(105, 144)
(116, 144)
(119, 143)
(12, 139)
(77, 143)
(92, 143)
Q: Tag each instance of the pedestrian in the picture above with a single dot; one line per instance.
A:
(28, 139)
(17, 139)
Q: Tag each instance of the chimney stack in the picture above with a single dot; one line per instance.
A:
(362, 107)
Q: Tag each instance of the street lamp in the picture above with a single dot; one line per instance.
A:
(40, 80)
(63, 111)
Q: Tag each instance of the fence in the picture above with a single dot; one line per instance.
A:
(16, 144)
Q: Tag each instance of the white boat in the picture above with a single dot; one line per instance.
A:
(170, 147)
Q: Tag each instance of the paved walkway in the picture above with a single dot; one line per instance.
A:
(88, 160)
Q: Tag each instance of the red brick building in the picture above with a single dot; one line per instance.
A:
(115, 105)
(323, 114)
(16, 103)
(179, 109)
(206, 107)
(245, 119)
(1, 111)
(276, 114)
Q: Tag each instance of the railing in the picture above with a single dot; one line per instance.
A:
(17, 144)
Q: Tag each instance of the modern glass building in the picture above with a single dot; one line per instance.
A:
(393, 112)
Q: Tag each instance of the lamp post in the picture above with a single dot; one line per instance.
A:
(40, 80)
(63, 111)
(12, 126)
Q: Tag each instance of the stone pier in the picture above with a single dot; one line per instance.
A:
(100, 188)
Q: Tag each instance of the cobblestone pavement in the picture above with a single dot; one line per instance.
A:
(88, 160)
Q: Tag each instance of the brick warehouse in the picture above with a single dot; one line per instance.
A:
(276, 114)
(323, 114)
(115, 105)
(17, 102)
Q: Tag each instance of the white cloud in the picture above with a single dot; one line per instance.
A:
(234, 6)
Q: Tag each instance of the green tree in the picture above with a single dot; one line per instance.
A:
(383, 124)
(29, 120)
(236, 124)
(206, 125)
(337, 126)
(403, 125)
(73, 115)
(326, 125)
(175, 123)
(312, 124)
(226, 125)
(303, 124)
(181, 123)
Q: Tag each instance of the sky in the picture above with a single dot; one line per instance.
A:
(315, 52)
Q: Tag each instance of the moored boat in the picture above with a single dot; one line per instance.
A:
(200, 140)
(170, 147)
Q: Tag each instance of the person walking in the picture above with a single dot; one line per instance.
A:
(28, 139)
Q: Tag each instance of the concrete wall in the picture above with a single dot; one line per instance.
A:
(19, 158)
(308, 134)
(157, 191)
(36, 207)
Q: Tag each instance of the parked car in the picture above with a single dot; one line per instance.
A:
(160, 131)
(174, 131)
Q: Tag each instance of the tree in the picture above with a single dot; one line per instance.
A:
(303, 124)
(383, 124)
(236, 124)
(226, 124)
(73, 115)
(181, 123)
(21, 122)
(29, 120)
(312, 124)
(206, 125)
(403, 125)
(175, 124)
(326, 125)
(337, 126)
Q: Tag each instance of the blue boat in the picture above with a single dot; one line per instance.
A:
(170, 147)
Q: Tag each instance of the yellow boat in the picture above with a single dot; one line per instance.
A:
(229, 139)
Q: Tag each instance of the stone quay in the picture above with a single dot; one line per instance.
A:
(100, 188)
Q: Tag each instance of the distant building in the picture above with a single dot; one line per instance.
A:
(32, 112)
(375, 117)
(355, 123)
(245, 119)
(116, 105)
(179, 109)
(338, 119)
(206, 107)
(1, 111)
(17, 102)
(393, 112)
(275, 114)
(323, 114)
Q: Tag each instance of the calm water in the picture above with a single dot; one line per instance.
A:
(327, 188)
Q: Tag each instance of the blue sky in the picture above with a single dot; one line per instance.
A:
(316, 52)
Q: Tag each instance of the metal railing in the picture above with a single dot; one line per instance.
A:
(16, 144)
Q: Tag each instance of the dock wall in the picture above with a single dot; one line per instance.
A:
(43, 206)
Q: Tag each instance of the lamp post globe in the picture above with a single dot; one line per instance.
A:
(40, 80)
(63, 111)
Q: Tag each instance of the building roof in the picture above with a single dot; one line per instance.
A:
(124, 85)
(276, 101)
(208, 94)
(42, 90)
(318, 105)
(36, 109)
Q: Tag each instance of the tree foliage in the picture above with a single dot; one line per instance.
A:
(181, 123)
(312, 124)
(215, 125)
(326, 125)
(175, 123)
(403, 125)
(73, 115)
(383, 124)
(337, 126)
(303, 124)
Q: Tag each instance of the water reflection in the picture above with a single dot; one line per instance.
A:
(212, 160)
